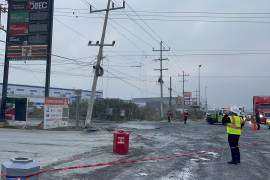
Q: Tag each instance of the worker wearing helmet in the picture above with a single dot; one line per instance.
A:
(234, 123)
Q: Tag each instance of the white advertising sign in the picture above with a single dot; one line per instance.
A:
(53, 112)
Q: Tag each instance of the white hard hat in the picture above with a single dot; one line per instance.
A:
(235, 109)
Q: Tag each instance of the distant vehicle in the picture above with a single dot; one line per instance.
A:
(268, 123)
(261, 105)
(243, 114)
(214, 116)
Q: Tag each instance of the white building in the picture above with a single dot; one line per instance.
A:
(16, 90)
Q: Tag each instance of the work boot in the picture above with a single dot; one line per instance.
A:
(232, 162)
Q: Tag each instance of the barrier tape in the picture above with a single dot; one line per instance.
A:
(128, 162)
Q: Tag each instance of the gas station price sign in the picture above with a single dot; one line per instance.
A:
(29, 29)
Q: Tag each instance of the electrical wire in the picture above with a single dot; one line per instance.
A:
(170, 20)
(82, 36)
(168, 16)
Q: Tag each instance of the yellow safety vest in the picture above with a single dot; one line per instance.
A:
(235, 126)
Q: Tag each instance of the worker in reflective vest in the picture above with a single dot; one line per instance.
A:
(233, 123)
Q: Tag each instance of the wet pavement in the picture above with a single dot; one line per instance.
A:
(169, 151)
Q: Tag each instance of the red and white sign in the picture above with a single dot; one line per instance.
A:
(56, 101)
(188, 94)
(53, 112)
(22, 52)
(18, 29)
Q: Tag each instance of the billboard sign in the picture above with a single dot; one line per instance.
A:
(54, 112)
(29, 29)
(188, 94)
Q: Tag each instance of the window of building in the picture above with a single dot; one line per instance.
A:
(32, 91)
(21, 90)
(56, 92)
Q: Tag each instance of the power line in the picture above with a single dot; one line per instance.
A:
(195, 54)
(85, 2)
(170, 16)
(140, 26)
(123, 80)
(132, 33)
(72, 29)
(173, 20)
(199, 12)
(149, 27)
(175, 12)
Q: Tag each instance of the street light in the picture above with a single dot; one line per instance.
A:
(199, 98)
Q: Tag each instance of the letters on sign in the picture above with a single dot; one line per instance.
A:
(38, 5)
(121, 140)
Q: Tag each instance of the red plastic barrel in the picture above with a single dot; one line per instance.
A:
(120, 142)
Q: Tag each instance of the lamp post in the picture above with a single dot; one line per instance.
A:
(199, 88)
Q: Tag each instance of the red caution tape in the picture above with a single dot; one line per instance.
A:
(128, 162)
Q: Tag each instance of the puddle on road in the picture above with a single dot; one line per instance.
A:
(189, 171)
(186, 173)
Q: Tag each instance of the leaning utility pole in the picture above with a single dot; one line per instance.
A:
(160, 80)
(78, 93)
(183, 101)
(5, 75)
(97, 68)
(2, 10)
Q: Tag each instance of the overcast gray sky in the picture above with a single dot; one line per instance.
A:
(229, 38)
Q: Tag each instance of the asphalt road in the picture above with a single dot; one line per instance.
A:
(169, 151)
(196, 151)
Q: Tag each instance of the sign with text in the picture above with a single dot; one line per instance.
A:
(188, 94)
(29, 29)
(54, 112)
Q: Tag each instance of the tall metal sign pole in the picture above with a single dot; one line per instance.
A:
(49, 50)
(160, 80)
(29, 37)
(97, 68)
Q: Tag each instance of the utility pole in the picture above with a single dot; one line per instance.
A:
(78, 93)
(206, 103)
(183, 81)
(199, 98)
(97, 68)
(5, 74)
(160, 80)
(2, 10)
(170, 89)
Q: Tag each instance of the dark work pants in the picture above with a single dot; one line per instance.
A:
(258, 126)
(233, 142)
(185, 119)
(169, 118)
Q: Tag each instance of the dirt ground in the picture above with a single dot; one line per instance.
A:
(158, 150)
